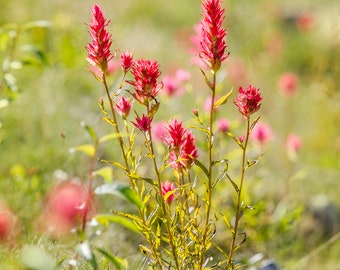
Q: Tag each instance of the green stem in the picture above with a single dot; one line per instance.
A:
(238, 204)
(210, 172)
(164, 208)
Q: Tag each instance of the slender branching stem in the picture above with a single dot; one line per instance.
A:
(239, 201)
(210, 169)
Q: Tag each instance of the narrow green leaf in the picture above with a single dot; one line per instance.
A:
(110, 136)
(106, 173)
(122, 190)
(148, 180)
(254, 123)
(88, 149)
(117, 164)
(119, 263)
(124, 221)
(222, 100)
(154, 110)
(204, 169)
(233, 183)
(251, 163)
(90, 131)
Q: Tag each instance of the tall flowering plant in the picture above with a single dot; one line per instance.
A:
(174, 197)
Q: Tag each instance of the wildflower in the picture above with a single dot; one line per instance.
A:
(143, 124)
(67, 206)
(158, 130)
(248, 101)
(98, 50)
(287, 83)
(213, 44)
(7, 222)
(293, 145)
(126, 61)
(168, 191)
(123, 106)
(261, 133)
(223, 125)
(146, 73)
(182, 146)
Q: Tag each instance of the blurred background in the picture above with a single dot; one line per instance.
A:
(289, 49)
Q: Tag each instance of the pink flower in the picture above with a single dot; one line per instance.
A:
(182, 146)
(174, 85)
(143, 124)
(248, 100)
(287, 83)
(7, 222)
(166, 188)
(213, 44)
(126, 61)
(223, 125)
(261, 133)
(123, 107)
(68, 204)
(98, 50)
(293, 145)
(158, 130)
(146, 73)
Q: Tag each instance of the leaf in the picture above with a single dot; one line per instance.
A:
(251, 163)
(254, 123)
(153, 110)
(88, 149)
(112, 136)
(121, 190)
(119, 263)
(117, 164)
(204, 169)
(222, 100)
(233, 183)
(89, 130)
(148, 180)
(126, 222)
(106, 173)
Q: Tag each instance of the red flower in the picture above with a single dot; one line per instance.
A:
(168, 187)
(68, 204)
(182, 146)
(248, 100)
(143, 124)
(7, 222)
(98, 50)
(123, 106)
(213, 34)
(146, 73)
(126, 61)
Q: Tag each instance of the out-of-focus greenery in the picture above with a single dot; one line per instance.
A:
(296, 202)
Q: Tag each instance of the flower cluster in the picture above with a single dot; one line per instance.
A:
(182, 146)
(213, 43)
(248, 100)
(168, 189)
(143, 123)
(98, 50)
(146, 74)
(126, 61)
(123, 107)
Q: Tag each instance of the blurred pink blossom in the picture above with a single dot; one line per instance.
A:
(223, 125)
(158, 130)
(288, 83)
(262, 133)
(293, 144)
(7, 222)
(305, 21)
(174, 84)
(69, 204)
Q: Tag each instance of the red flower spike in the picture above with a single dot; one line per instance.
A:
(168, 187)
(126, 61)
(123, 106)
(146, 73)
(98, 50)
(143, 124)
(248, 100)
(213, 35)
